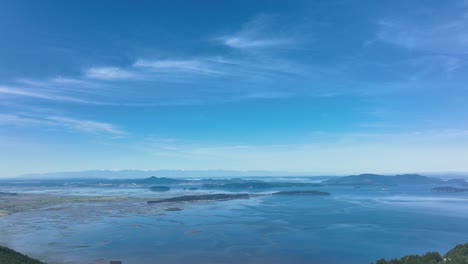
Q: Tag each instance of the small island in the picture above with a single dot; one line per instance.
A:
(231, 196)
(7, 194)
(203, 197)
(160, 188)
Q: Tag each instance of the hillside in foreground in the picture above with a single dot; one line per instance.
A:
(9, 256)
(457, 255)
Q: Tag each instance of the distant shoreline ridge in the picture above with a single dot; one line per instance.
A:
(134, 173)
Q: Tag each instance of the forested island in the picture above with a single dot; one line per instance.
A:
(457, 255)
(160, 188)
(203, 197)
(232, 196)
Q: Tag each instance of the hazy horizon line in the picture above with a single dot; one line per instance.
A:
(120, 173)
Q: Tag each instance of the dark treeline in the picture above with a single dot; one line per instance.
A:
(457, 255)
(9, 256)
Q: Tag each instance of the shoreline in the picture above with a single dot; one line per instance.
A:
(17, 203)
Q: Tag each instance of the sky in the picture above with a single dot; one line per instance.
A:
(323, 87)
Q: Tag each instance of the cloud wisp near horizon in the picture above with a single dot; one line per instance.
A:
(299, 86)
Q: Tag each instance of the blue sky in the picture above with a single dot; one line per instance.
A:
(326, 87)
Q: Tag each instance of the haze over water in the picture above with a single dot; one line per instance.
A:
(350, 226)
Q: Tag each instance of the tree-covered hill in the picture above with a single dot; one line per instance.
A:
(9, 256)
(457, 255)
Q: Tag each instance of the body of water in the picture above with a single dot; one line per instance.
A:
(350, 226)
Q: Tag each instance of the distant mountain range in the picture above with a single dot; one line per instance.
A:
(227, 180)
(132, 174)
(375, 179)
(224, 180)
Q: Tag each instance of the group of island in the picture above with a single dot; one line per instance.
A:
(173, 193)
(13, 200)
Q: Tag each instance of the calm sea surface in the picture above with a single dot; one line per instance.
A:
(350, 226)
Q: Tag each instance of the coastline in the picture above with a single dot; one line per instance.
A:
(10, 204)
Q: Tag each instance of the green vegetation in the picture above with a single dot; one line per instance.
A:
(12, 257)
(457, 255)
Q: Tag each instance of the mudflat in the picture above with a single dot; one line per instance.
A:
(13, 203)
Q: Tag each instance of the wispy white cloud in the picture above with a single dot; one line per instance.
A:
(191, 65)
(240, 42)
(316, 140)
(56, 81)
(255, 78)
(168, 64)
(227, 77)
(73, 124)
(21, 92)
(262, 71)
(398, 152)
(18, 120)
(109, 73)
(87, 125)
(436, 66)
(64, 80)
(440, 34)
(263, 31)
(430, 135)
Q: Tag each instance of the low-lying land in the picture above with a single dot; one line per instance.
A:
(13, 203)
(301, 193)
(204, 197)
(230, 196)
(10, 204)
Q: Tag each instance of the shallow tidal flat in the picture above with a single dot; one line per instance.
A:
(13, 203)
(328, 225)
